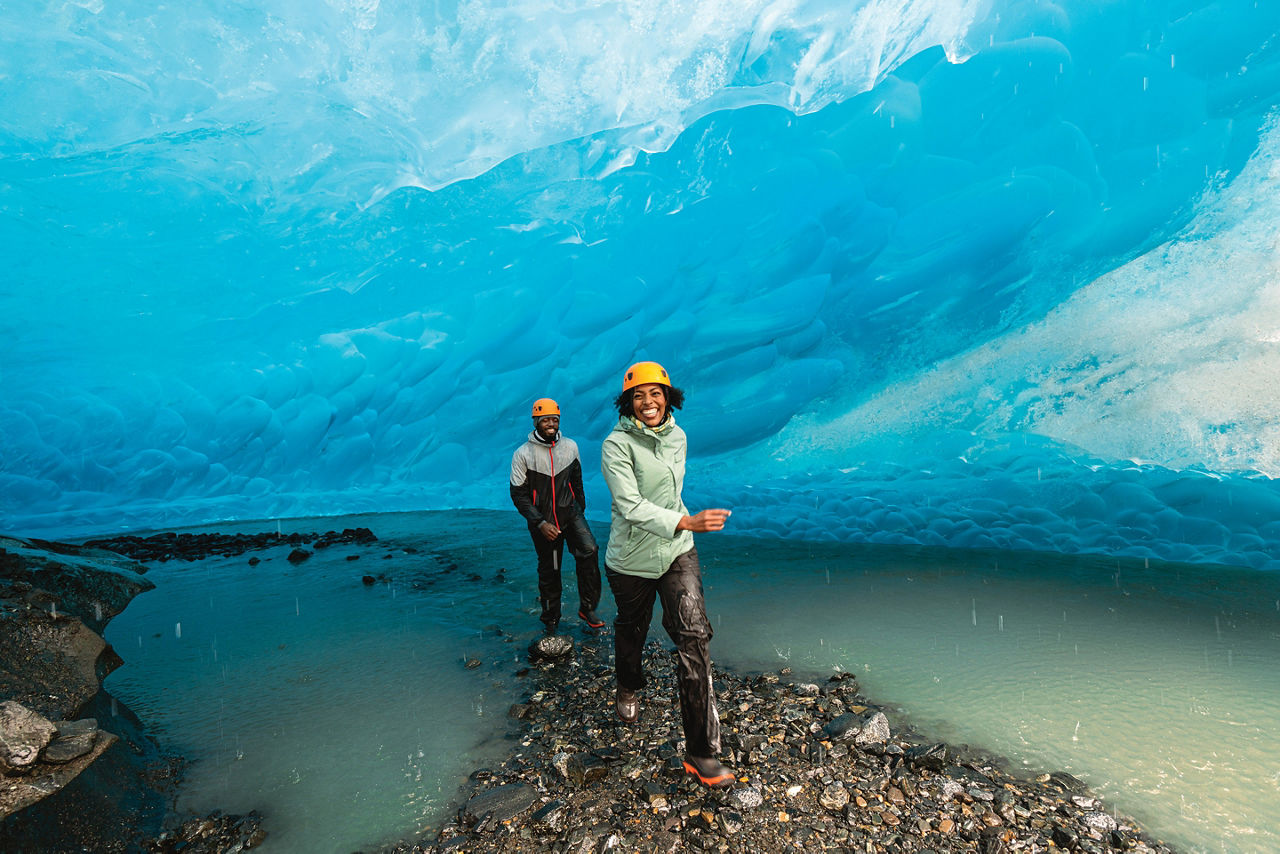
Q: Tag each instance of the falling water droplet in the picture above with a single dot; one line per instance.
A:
(1002, 622)
(973, 612)
(177, 630)
(297, 607)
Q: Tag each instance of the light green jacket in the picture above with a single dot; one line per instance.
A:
(645, 473)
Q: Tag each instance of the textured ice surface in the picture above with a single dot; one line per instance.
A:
(986, 273)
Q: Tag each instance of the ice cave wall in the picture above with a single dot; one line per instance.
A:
(968, 274)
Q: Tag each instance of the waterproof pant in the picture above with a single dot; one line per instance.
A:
(582, 545)
(684, 616)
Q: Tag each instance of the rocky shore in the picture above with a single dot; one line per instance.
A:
(820, 767)
(76, 772)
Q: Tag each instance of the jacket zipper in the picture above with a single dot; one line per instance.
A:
(551, 453)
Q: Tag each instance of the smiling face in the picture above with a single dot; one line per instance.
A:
(649, 402)
(547, 426)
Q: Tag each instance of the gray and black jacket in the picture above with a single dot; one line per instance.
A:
(546, 480)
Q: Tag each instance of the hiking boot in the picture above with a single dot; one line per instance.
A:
(589, 617)
(709, 771)
(628, 705)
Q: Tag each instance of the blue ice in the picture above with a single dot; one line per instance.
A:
(975, 274)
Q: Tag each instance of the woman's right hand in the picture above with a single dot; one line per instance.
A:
(711, 519)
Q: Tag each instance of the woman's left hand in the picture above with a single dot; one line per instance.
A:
(711, 519)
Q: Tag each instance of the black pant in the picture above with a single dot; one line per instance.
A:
(684, 616)
(582, 545)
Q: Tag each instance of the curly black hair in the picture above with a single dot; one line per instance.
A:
(675, 400)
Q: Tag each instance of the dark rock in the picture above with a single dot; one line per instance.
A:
(500, 804)
(66, 748)
(844, 728)
(583, 769)
(188, 546)
(298, 555)
(1065, 838)
(934, 757)
(551, 816)
(215, 833)
(1064, 781)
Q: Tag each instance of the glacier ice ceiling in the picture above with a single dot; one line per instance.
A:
(978, 274)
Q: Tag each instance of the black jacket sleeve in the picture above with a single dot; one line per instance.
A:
(522, 498)
(575, 480)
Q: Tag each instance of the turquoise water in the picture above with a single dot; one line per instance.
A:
(347, 715)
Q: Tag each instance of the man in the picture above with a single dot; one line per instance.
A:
(546, 487)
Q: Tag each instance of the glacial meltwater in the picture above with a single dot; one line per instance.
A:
(350, 714)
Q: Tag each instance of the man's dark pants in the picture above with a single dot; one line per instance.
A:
(684, 616)
(582, 545)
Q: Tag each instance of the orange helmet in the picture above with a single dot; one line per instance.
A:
(545, 406)
(645, 372)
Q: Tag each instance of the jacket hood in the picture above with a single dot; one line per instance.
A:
(538, 440)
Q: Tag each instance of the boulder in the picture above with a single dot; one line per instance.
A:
(863, 729)
(551, 648)
(23, 735)
(39, 757)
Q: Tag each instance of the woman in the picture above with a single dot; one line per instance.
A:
(651, 553)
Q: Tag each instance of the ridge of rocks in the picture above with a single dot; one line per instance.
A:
(818, 769)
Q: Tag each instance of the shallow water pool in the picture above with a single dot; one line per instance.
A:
(347, 713)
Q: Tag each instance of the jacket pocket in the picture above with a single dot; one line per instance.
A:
(634, 547)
